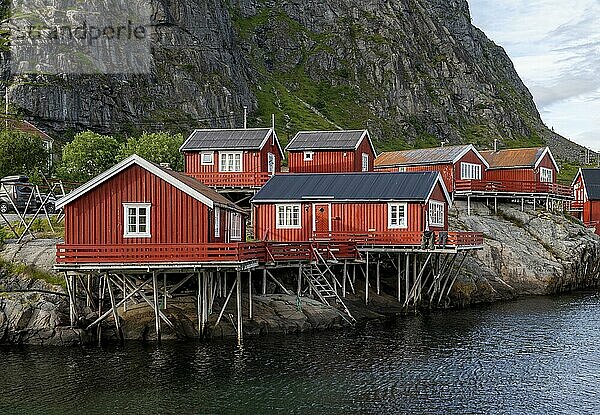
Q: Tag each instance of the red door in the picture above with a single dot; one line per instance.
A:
(322, 219)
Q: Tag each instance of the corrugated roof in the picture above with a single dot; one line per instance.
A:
(413, 186)
(511, 158)
(591, 178)
(200, 188)
(438, 155)
(326, 140)
(234, 139)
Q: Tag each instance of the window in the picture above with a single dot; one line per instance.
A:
(208, 159)
(137, 220)
(402, 169)
(217, 222)
(365, 162)
(235, 231)
(271, 163)
(470, 171)
(545, 175)
(288, 217)
(397, 216)
(308, 156)
(230, 162)
(436, 214)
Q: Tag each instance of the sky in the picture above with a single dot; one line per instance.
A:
(555, 46)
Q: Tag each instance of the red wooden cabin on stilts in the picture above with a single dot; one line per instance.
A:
(586, 191)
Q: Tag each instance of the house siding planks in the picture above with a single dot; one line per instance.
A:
(345, 218)
(526, 174)
(97, 218)
(332, 161)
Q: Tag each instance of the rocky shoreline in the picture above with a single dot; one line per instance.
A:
(526, 253)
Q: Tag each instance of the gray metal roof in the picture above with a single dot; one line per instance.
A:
(591, 178)
(234, 139)
(412, 186)
(326, 140)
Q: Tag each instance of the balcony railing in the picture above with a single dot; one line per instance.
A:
(527, 187)
(243, 180)
(404, 238)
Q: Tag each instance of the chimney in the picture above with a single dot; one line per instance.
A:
(245, 117)
(495, 145)
(165, 166)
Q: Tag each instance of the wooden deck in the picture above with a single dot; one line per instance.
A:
(240, 180)
(487, 187)
(328, 246)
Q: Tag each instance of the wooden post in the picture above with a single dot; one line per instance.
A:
(344, 278)
(378, 280)
(264, 282)
(522, 204)
(100, 301)
(199, 305)
(204, 301)
(250, 295)
(367, 281)
(239, 307)
(534, 203)
(468, 205)
(354, 274)
(407, 277)
(495, 205)
(415, 265)
(114, 307)
(156, 304)
(88, 300)
(299, 288)
(164, 290)
(399, 269)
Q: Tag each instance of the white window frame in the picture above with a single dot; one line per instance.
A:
(210, 158)
(365, 162)
(136, 234)
(217, 222)
(235, 227)
(402, 169)
(288, 221)
(401, 223)
(546, 175)
(271, 161)
(227, 161)
(470, 171)
(437, 214)
(309, 155)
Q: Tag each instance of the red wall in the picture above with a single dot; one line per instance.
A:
(523, 174)
(472, 158)
(345, 217)
(97, 217)
(331, 161)
(591, 213)
(252, 161)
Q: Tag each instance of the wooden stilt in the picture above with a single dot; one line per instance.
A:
(156, 305)
(101, 287)
(238, 283)
(113, 304)
(495, 205)
(469, 205)
(299, 283)
(204, 301)
(88, 297)
(399, 271)
(344, 279)
(280, 285)
(164, 291)
(250, 295)
(199, 305)
(354, 274)
(378, 277)
(264, 282)
(522, 204)
(225, 305)
(407, 278)
(367, 281)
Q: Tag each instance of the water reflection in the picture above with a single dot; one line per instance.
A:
(531, 356)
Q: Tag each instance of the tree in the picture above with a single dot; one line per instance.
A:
(88, 155)
(155, 147)
(21, 153)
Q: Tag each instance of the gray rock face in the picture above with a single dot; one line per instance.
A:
(409, 69)
(35, 312)
(526, 253)
(38, 252)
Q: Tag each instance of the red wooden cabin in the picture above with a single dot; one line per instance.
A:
(236, 158)
(331, 152)
(586, 190)
(523, 170)
(138, 212)
(380, 208)
(457, 164)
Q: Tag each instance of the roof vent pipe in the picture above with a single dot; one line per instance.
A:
(273, 127)
(495, 145)
(245, 117)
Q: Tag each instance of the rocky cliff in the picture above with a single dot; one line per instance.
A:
(416, 72)
(526, 253)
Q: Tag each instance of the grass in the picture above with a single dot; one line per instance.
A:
(39, 227)
(31, 271)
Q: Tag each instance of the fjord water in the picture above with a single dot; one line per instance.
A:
(532, 356)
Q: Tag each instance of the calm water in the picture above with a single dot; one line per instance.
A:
(536, 356)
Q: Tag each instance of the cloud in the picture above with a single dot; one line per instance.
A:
(555, 46)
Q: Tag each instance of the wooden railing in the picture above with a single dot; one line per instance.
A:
(489, 186)
(403, 238)
(232, 180)
(158, 253)
(577, 205)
